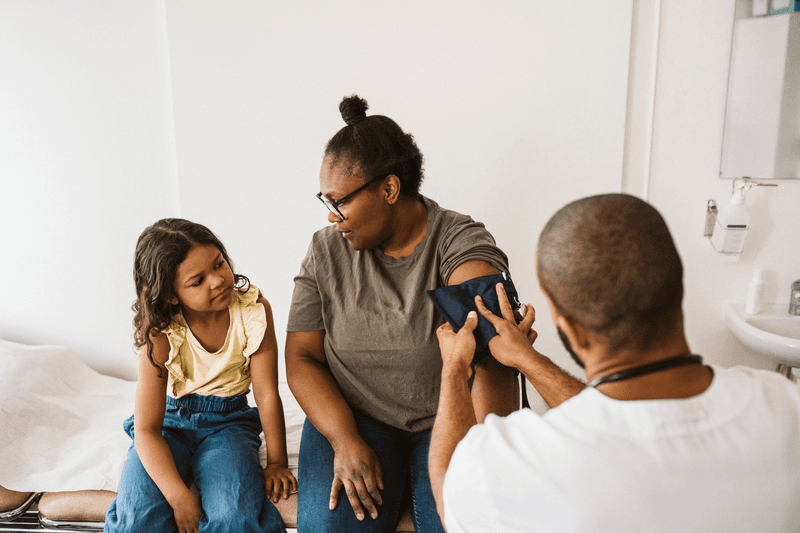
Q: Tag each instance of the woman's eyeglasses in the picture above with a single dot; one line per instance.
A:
(333, 207)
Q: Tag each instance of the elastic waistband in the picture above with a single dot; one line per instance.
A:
(208, 404)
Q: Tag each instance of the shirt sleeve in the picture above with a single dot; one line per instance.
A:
(305, 312)
(467, 503)
(466, 240)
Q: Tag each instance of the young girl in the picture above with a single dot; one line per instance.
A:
(205, 335)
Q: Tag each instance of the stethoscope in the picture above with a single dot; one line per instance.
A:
(649, 368)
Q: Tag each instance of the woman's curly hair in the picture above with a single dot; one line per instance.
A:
(376, 146)
(160, 250)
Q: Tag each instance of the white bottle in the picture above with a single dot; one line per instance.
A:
(732, 224)
(754, 293)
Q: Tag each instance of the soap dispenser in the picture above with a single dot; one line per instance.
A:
(732, 223)
(754, 293)
(727, 228)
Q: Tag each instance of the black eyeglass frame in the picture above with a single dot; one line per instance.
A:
(333, 207)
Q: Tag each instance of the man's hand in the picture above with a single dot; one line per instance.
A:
(458, 349)
(356, 468)
(513, 342)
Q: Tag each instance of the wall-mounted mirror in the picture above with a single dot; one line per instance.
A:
(762, 119)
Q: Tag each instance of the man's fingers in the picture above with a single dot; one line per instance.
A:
(528, 319)
(471, 323)
(488, 315)
(505, 305)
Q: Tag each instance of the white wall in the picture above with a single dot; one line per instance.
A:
(694, 54)
(86, 162)
(117, 113)
(518, 107)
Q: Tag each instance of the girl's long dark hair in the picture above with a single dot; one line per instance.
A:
(161, 248)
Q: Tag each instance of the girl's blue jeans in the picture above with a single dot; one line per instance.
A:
(403, 456)
(214, 442)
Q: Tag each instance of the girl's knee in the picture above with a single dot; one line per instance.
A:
(244, 516)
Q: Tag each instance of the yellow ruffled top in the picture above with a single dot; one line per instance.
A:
(226, 372)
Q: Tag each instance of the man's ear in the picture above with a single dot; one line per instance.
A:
(391, 188)
(577, 335)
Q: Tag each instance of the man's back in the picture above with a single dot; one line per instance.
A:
(725, 460)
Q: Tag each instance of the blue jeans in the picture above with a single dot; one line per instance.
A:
(214, 441)
(403, 456)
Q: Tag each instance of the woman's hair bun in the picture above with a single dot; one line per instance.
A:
(353, 109)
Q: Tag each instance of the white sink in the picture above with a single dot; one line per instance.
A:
(773, 333)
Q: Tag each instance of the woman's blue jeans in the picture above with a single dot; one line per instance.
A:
(215, 442)
(403, 456)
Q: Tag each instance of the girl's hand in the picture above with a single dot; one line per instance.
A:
(187, 512)
(356, 468)
(278, 481)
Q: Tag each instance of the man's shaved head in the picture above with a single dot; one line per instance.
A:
(610, 263)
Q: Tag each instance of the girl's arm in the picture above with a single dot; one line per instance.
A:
(264, 375)
(153, 450)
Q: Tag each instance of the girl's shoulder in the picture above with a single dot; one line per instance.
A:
(177, 327)
(247, 299)
(253, 307)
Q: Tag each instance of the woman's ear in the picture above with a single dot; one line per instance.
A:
(174, 300)
(392, 188)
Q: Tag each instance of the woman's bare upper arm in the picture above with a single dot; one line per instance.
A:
(309, 344)
(470, 270)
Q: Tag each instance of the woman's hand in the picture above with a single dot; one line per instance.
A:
(278, 481)
(187, 512)
(513, 341)
(356, 468)
(458, 349)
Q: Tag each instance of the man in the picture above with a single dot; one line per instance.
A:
(657, 441)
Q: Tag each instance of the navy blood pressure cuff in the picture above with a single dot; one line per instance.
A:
(454, 302)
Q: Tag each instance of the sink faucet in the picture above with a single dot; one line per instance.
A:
(794, 299)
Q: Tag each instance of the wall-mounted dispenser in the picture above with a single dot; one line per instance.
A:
(727, 227)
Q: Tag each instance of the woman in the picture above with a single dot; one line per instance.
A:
(362, 357)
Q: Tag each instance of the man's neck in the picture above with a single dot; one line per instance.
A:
(677, 382)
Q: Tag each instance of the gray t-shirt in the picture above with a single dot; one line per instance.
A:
(380, 325)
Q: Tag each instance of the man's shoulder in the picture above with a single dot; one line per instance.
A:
(772, 386)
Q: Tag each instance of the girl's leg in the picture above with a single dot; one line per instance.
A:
(423, 506)
(139, 505)
(315, 477)
(229, 477)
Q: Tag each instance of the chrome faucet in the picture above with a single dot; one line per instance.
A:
(794, 299)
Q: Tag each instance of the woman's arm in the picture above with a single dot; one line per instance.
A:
(356, 467)
(153, 450)
(278, 479)
(495, 388)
